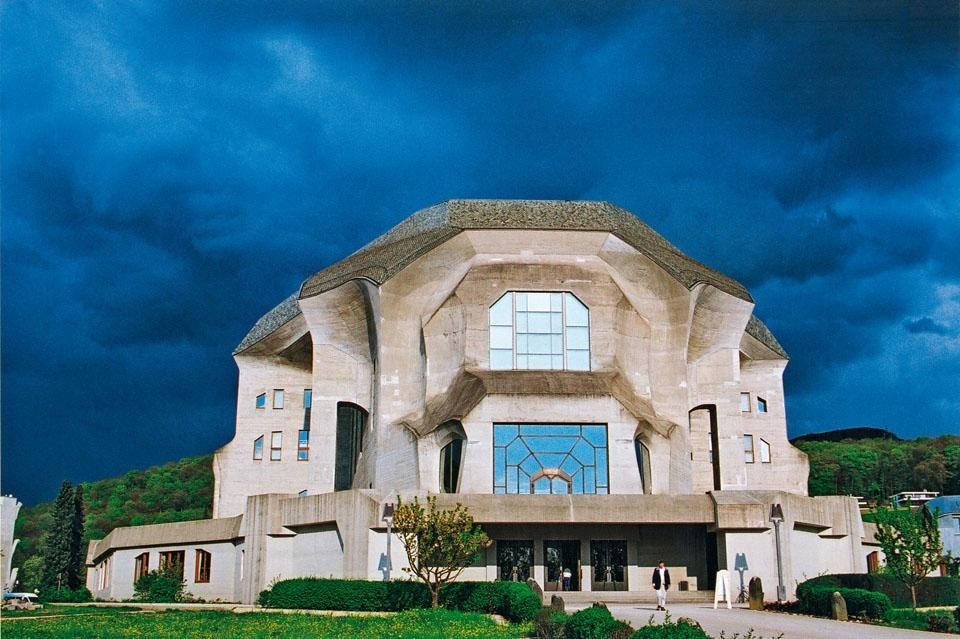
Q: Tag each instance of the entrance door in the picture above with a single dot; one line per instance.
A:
(559, 555)
(514, 560)
(609, 561)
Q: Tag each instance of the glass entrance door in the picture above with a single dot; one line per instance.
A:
(560, 556)
(609, 561)
(514, 560)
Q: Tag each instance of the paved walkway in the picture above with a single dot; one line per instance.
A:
(766, 624)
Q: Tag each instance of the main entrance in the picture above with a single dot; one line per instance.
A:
(514, 560)
(608, 559)
(560, 555)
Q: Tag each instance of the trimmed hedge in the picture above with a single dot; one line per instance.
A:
(681, 629)
(816, 600)
(515, 601)
(346, 594)
(81, 595)
(591, 623)
(932, 591)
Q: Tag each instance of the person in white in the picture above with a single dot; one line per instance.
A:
(567, 577)
(661, 582)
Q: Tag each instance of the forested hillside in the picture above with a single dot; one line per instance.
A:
(177, 491)
(877, 468)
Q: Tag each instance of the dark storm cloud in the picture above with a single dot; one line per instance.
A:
(172, 171)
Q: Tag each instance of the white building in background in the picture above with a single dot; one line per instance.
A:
(9, 509)
(599, 401)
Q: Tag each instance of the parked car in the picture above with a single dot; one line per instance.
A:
(22, 597)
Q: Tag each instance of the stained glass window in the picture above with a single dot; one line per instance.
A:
(550, 459)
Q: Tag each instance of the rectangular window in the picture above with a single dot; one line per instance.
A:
(278, 398)
(748, 448)
(550, 459)
(141, 565)
(761, 405)
(276, 439)
(764, 452)
(303, 445)
(262, 400)
(104, 581)
(201, 573)
(258, 447)
(173, 559)
(539, 331)
(307, 397)
(744, 402)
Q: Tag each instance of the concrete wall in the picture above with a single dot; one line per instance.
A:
(120, 565)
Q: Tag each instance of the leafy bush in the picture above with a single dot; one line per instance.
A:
(682, 628)
(515, 601)
(932, 591)
(160, 586)
(816, 600)
(956, 615)
(346, 594)
(591, 623)
(80, 595)
(938, 623)
(550, 624)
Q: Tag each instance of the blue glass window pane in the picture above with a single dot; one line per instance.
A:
(559, 486)
(542, 486)
(577, 313)
(501, 360)
(578, 360)
(596, 435)
(556, 345)
(556, 323)
(307, 398)
(522, 323)
(261, 400)
(304, 439)
(538, 302)
(556, 302)
(522, 362)
(501, 313)
(578, 338)
(503, 434)
(556, 362)
(531, 466)
(516, 452)
(539, 344)
(521, 301)
(539, 322)
(539, 362)
(522, 343)
(550, 460)
(501, 337)
(302, 455)
(541, 449)
(589, 480)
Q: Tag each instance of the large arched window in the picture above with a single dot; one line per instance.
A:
(451, 463)
(351, 420)
(643, 464)
(539, 331)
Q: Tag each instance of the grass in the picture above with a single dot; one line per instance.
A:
(413, 624)
(909, 619)
(54, 609)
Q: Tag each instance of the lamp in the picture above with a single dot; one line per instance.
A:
(740, 565)
(387, 517)
(776, 516)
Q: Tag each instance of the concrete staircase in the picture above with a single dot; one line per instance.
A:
(648, 596)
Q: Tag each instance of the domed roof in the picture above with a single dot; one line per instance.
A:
(426, 229)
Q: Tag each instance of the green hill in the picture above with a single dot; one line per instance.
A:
(177, 491)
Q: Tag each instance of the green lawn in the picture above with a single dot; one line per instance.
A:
(414, 624)
(55, 609)
(910, 619)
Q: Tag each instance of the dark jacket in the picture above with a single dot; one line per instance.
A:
(656, 578)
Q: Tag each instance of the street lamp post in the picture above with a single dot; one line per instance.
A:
(388, 518)
(740, 565)
(776, 516)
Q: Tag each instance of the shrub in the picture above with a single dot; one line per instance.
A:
(591, 623)
(550, 624)
(81, 595)
(683, 628)
(956, 615)
(860, 603)
(937, 623)
(932, 591)
(160, 586)
(345, 594)
(513, 600)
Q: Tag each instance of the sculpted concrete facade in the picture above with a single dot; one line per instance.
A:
(597, 399)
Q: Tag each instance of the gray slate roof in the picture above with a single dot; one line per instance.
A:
(381, 259)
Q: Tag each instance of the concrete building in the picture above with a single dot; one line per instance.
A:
(912, 498)
(597, 399)
(9, 509)
(947, 511)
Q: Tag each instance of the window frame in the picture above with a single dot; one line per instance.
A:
(141, 565)
(167, 555)
(258, 448)
(749, 403)
(764, 446)
(749, 455)
(277, 399)
(562, 320)
(202, 566)
(451, 466)
(303, 445)
(276, 445)
(260, 403)
(762, 405)
(307, 397)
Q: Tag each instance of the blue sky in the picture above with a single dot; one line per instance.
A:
(170, 172)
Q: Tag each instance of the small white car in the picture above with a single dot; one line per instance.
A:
(22, 597)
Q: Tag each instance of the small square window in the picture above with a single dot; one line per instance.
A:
(761, 405)
(258, 447)
(276, 438)
(744, 402)
(307, 397)
(748, 449)
(262, 400)
(278, 398)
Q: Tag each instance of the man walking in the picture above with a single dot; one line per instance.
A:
(661, 581)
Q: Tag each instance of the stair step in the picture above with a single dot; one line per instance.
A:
(630, 596)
